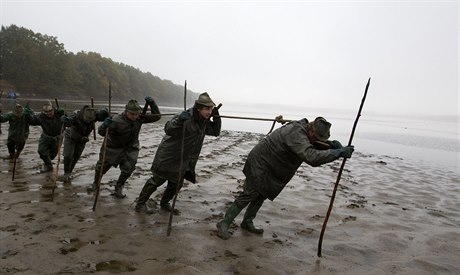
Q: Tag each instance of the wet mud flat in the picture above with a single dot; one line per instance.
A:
(390, 216)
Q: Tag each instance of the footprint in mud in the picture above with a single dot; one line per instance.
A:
(272, 243)
(28, 217)
(115, 266)
(230, 254)
(306, 231)
(71, 245)
(349, 218)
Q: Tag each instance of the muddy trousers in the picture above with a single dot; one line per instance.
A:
(151, 186)
(14, 146)
(126, 171)
(249, 197)
(48, 148)
(72, 153)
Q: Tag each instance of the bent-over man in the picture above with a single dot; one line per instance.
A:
(273, 162)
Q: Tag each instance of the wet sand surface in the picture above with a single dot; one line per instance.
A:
(390, 216)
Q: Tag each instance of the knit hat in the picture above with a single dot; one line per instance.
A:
(322, 128)
(205, 100)
(133, 107)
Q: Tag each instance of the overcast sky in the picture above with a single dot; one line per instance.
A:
(302, 53)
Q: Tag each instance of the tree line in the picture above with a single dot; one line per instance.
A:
(37, 65)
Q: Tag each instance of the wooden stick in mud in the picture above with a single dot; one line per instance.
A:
(329, 210)
(180, 178)
(56, 172)
(59, 153)
(104, 150)
(94, 123)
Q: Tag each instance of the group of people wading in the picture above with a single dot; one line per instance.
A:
(269, 166)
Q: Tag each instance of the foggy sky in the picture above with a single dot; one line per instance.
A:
(300, 53)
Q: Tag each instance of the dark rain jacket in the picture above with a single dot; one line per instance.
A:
(274, 160)
(18, 130)
(166, 163)
(51, 127)
(78, 129)
(123, 138)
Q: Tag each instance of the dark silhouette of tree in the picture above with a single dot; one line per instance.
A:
(38, 65)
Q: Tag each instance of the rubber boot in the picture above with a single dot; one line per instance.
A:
(168, 195)
(119, 186)
(47, 167)
(249, 216)
(230, 214)
(65, 178)
(93, 186)
(146, 192)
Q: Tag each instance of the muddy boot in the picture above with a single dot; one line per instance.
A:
(46, 168)
(146, 192)
(144, 208)
(168, 207)
(168, 195)
(222, 226)
(119, 192)
(65, 178)
(249, 216)
(119, 186)
(93, 187)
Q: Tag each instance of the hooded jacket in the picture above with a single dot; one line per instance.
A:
(274, 160)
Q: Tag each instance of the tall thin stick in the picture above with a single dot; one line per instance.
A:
(104, 150)
(180, 177)
(329, 210)
(94, 123)
(56, 173)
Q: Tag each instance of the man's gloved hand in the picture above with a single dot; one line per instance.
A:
(28, 111)
(103, 113)
(215, 112)
(184, 116)
(108, 122)
(336, 144)
(149, 100)
(60, 112)
(65, 119)
(84, 140)
(346, 151)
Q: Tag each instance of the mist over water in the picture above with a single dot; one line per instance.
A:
(433, 141)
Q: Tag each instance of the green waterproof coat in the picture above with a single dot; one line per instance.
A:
(123, 138)
(274, 160)
(166, 163)
(18, 130)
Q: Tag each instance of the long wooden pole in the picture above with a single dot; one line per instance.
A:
(104, 150)
(94, 123)
(180, 177)
(56, 173)
(329, 210)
